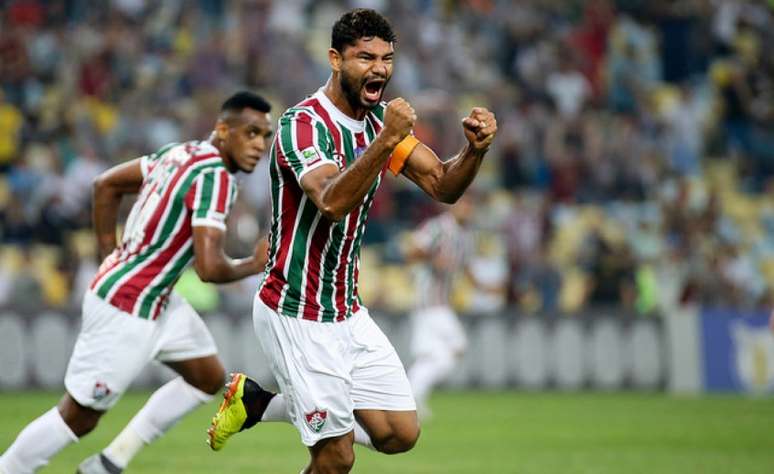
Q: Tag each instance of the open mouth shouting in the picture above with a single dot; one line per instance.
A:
(373, 89)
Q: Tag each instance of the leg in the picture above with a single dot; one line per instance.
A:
(204, 373)
(80, 419)
(109, 351)
(391, 432)
(200, 379)
(181, 340)
(427, 371)
(383, 403)
(438, 344)
(246, 403)
(47, 435)
(332, 455)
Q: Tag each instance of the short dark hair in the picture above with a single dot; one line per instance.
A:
(243, 100)
(360, 23)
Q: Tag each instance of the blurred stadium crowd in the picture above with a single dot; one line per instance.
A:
(633, 165)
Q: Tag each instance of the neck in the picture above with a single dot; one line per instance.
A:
(336, 95)
(216, 142)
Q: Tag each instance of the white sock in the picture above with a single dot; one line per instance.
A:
(276, 410)
(124, 447)
(163, 409)
(37, 443)
(362, 438)
(428, 371)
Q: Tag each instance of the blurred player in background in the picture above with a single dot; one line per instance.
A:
(130, 314)
(443, 246)
(340, 378)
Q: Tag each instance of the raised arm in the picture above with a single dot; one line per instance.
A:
(108, 189)
(336, 193)
(213, 265)
(446, 181)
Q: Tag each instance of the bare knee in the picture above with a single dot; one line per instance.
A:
(81, 420)
(335, 457)
(398, 441)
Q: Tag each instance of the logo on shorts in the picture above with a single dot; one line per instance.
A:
(316, 419)
(101, 391)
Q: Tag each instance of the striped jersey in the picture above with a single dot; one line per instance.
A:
(312, 270)
(440, 237)
(184, 185)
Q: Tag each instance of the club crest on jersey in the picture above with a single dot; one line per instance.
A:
(101, 391)
(316, 419)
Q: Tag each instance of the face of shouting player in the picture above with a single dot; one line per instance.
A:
(365, 70)
(243, 138)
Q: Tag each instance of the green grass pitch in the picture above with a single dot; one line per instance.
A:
(471, 432)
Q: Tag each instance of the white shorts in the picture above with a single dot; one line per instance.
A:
(113, 347)
(436, 329)
(327, 370)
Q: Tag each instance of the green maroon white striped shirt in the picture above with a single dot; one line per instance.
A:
(313, 262)
(441, 236)
(184, 185)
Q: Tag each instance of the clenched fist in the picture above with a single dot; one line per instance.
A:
(480, 128)
(399, 118)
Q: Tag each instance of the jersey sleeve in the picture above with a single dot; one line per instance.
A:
(148, 162)
(210, 198)
(304, 144)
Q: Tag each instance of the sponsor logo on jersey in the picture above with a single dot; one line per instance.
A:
(316, 419)
(310, 154)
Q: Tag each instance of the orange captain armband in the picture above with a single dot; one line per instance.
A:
(401, 153)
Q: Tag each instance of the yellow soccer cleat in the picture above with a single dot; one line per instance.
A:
(231, 415)
(244, 403)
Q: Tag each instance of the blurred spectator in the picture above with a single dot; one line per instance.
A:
(10, 128)
(653, 117)
(568, 87)
(611, 269)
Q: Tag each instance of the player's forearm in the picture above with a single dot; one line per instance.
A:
(347, 190)
(106, 202)
(458, 173)
(107, 191)
(227, 269)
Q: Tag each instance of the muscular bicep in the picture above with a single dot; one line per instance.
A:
(315, 182)
(425, 169)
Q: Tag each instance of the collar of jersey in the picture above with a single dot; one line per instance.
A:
(338, 115)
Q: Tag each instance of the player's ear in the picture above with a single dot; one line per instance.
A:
(335, 59)
(221, 129)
